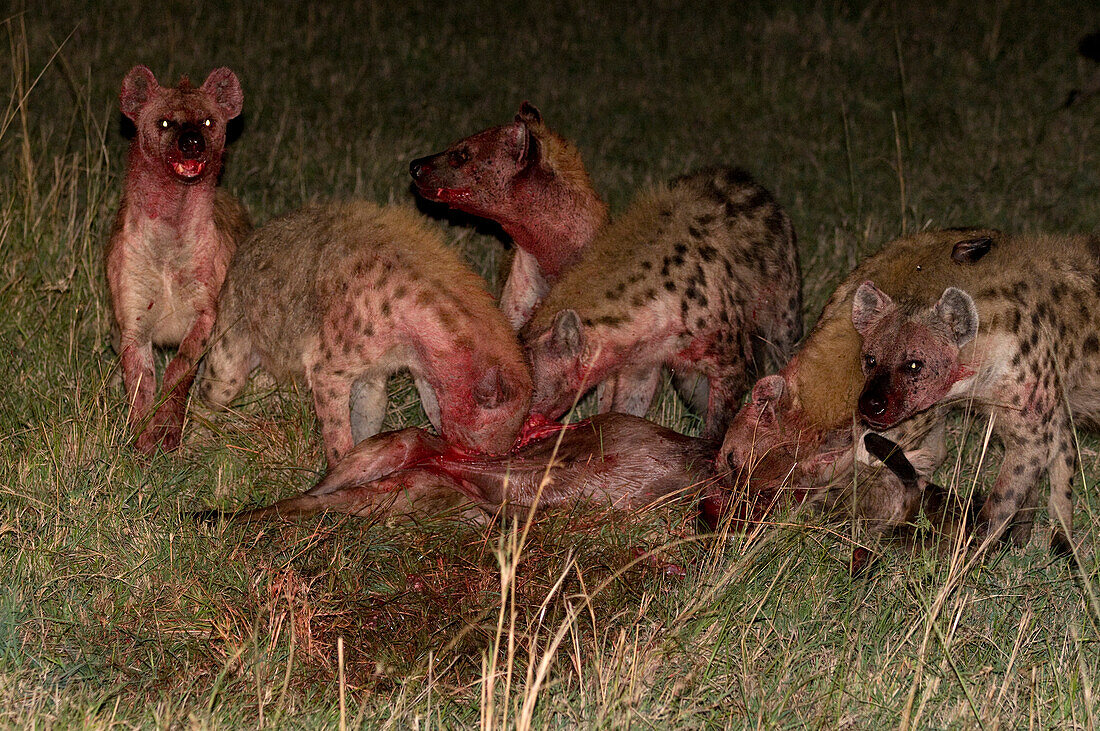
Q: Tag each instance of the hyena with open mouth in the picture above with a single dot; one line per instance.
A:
(172, 241)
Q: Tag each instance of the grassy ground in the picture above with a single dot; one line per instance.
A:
(865, 120)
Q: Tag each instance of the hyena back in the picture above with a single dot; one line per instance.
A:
(701, 275)
(171, 242)
(342, 295)
(533, 183)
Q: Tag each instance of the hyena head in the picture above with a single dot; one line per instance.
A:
(757, 450)
(494, 416)
(181, 130)
(560, 364)
(478, 174)
(909, 361)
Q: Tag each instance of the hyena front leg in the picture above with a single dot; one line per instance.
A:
(1063, 467)
(166, 428)
(630, 391)
(722, 399)
(332, 404)
(227, 366)
(428, 401)
(1026, 444)
(524, 289)
(139, 377)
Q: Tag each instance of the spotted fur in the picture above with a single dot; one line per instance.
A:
(342, 295)
(701, 275)
(1033, 365)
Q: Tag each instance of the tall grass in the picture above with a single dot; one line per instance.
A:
(865, 119)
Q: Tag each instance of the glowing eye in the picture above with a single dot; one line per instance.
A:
(869, 362)
(208, 122)
(458, 158)
(164, 124)
(914, 367)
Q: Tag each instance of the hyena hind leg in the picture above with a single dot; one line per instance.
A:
(693, 388)
(367, 407)
(428, 402)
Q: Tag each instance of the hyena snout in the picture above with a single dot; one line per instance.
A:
(418, 167)
(874, 402)
(191, 143)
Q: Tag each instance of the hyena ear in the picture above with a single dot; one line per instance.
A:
(969, 251)
(137, 88)
(567, 335)
(528, 149)
(222, 84)
(768, 390)
(870, 305)
(492, 390)
(528, 113)
(957, 309)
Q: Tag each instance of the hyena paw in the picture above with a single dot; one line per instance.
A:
(165, 432)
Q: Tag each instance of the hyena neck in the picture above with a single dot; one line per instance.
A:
(562, 223)
(820, 405)
(153, 192)
(826, 402)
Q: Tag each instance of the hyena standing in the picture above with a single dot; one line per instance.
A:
(172, 241)
(701, 275)
(345, 294)
(532, 182)
(1033, 366)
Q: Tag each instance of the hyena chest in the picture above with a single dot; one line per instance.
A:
(174, 279)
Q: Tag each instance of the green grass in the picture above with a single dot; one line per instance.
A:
(865, 120)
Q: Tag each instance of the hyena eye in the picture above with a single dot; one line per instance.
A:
(458, 158)
(164, 124)
(208, 122)
(869, 362)
(913, 367)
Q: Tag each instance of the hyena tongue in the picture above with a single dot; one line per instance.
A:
(189, 168)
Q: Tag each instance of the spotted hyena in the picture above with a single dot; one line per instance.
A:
(701, 275)
(533, 183)
(172, 241)
(1019, 369)
(1034, 364)
(344, 294)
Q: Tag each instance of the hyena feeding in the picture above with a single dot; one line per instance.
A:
(701, 275)
(172, 241)
(532, 182)
(347, 293)
(1034, 365)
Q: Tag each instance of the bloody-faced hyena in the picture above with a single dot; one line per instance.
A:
(1034, 363)
(910, 361)
(345, 294)
(701, 275)
(172, 240)
(532, 182)
(1034, 367)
